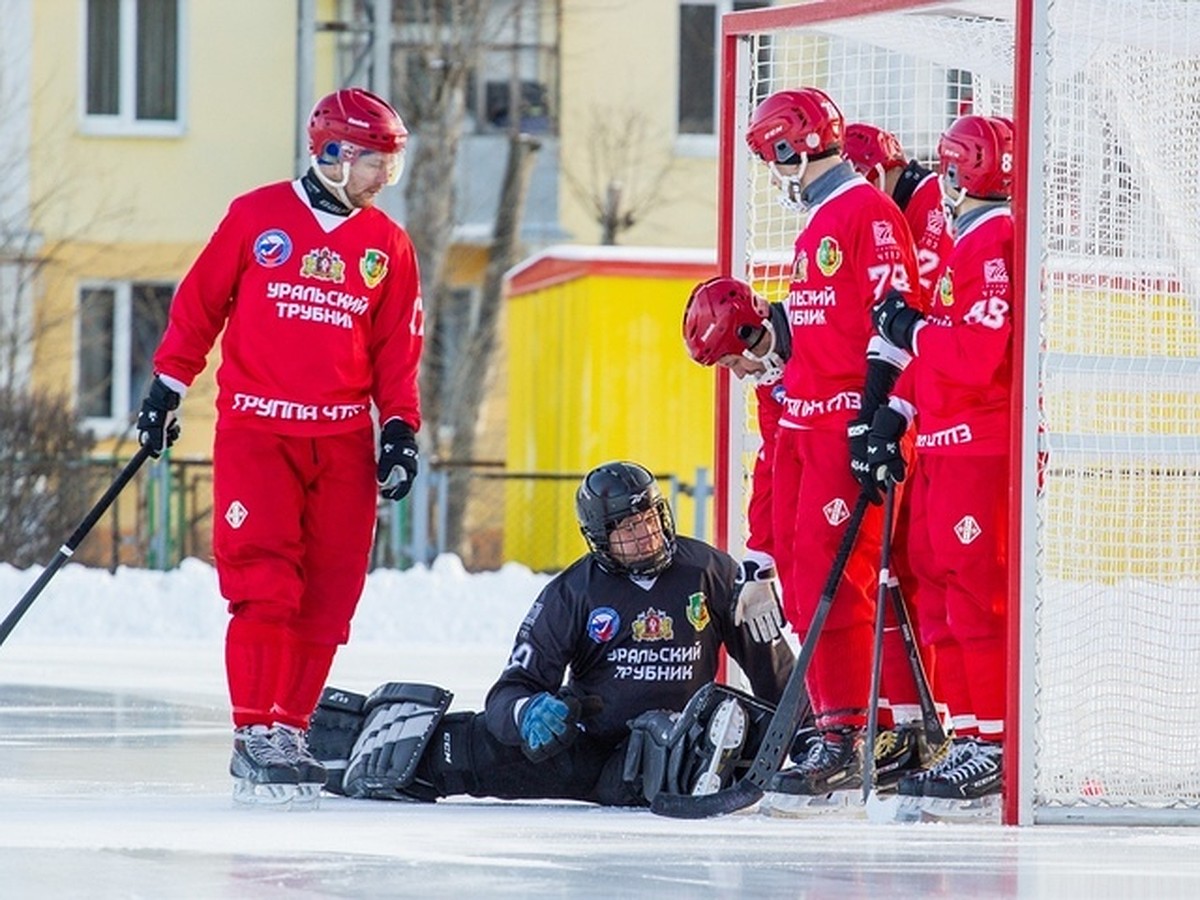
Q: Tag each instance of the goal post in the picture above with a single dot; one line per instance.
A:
(1104, 724)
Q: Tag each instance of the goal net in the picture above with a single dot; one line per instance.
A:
(1105, 650)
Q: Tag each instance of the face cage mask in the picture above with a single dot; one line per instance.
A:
(771, 359)
(790, 187)
(648, 566)
(952, 198)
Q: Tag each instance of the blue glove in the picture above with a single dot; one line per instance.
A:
(543, 721)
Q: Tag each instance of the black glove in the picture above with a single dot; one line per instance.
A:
(858, 430)
(397, 459)
(157, 423)
(896, 321)
(884, 458)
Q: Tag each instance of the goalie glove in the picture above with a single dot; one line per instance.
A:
(756, 602)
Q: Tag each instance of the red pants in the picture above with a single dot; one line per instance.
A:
(293, 523)
(958, 547)
(813, 495)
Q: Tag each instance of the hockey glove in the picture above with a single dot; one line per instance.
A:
(158, 423)
(548, 725)
(884, 458)
(397, 459)
(859, 427)
(896, 321)
(756, 602)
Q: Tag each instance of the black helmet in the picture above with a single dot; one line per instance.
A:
(612, 492)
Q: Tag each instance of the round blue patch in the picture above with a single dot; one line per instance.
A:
(272, 248)
(603, 624)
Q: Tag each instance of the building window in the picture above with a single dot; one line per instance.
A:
(132, 68)
(119, 326)
(513, 74)
(699, 30)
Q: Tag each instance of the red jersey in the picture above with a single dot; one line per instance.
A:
(322, 314)
(854, 249)
(758, 514)
(927, 222)
(961, 377)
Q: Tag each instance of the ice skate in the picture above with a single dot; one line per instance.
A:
(293, 744)
(824, 781)
(898, 752)
(263, 776)
(971, 788)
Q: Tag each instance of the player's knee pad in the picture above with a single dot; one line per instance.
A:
(699, 750)
(397, 721)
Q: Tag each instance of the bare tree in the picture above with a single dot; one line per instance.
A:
(619, 179)
(445, 41)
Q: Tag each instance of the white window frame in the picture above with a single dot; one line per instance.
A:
(124, 123)
(702, 145)
(121, 392)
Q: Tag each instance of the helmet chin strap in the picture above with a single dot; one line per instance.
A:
(337, 188)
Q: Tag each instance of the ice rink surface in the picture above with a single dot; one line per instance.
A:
(113, 776)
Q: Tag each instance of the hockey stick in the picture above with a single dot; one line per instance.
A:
(782, 727)
(885, 577)
(931, 722)
(66, 550)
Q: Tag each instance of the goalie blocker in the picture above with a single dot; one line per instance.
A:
(378, 747)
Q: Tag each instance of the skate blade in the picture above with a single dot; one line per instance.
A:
(890, 809)
(941, 809)
(308, 796)
(267, 796)
(798, 806)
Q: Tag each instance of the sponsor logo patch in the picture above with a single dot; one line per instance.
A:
(236, 514)
(653, 625)
(323, 265)
(829, 256)
(603, 624)
(967, 529)
(272, 248)
(697, 611)
(373, 267)
(836, 511)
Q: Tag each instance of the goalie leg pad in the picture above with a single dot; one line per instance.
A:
(400, 719)
(332, 731)
(699, 750)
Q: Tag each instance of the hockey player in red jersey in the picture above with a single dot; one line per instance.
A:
(727, 324)
(318, 293)
(854, 248)
(956, 393)
(878, 156)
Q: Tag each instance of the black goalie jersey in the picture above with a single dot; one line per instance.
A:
(633, 646)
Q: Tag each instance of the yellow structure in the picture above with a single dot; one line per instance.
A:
(597, 370)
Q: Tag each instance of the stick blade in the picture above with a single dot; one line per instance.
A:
(737, 796)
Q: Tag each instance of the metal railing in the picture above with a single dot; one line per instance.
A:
(478, 510)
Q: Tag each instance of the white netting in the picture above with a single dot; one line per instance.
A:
(1114, 723)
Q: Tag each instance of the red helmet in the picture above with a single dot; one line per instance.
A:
(720, 317)
(867, 147)
(354, 116)
(789, 123)
(976, 156)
